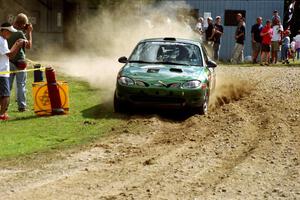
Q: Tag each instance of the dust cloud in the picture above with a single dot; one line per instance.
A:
(229, 89)
(113, 33)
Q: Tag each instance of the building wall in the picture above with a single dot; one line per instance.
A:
(254, 8)
(44, 15)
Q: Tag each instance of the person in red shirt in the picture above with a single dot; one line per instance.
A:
(266, 35)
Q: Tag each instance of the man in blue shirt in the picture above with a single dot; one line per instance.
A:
(256, 39)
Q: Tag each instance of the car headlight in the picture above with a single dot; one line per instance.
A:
(191, 84)
(125, 81)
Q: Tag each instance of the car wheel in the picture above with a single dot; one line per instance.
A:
(119, 106)
(204, 108)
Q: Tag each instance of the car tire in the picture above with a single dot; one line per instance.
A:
(203, 109)
(119, 106)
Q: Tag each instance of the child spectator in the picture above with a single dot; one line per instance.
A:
(293, 50)
(6, 30)
(276, 16)
(285, 47)
(266, 34)
(297, 44)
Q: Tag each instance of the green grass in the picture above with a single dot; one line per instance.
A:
(88, 119)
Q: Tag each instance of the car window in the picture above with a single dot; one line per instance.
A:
(160, 52)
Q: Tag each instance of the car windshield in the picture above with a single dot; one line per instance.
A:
(167, 53)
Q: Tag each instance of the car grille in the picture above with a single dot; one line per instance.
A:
(156, 99)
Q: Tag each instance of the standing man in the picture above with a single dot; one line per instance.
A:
(238, 51)
(209, 31)
(24, 31)
(276, 39)
(256, 39)
(217, 33)
(6, 31)
(266, 34)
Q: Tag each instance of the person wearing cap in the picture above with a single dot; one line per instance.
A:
(6, 31)
(216, 35)
(24, 31)
(285, 47)
(238, 51)
(209, 31)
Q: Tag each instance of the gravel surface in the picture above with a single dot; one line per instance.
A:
(248, 147)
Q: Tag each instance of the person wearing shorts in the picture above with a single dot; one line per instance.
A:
(266, 35)
(6, 31)
(276, 39)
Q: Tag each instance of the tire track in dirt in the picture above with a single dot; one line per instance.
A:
(248, 147)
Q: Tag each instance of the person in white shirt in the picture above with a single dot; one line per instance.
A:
(276, 39)
(6, 30)
(297, 44)
(199, 27)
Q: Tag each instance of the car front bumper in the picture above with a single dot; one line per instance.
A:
(161, 96)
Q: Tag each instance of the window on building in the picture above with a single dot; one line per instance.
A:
(230, 17)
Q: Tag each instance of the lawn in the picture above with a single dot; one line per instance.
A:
(26, 133)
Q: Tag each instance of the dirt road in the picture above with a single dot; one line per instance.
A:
(248, 147)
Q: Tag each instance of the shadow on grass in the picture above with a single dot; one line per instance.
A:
(25, 118)
(105, 110)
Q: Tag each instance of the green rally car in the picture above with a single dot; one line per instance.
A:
(166, 72)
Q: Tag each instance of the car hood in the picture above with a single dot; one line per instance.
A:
(168, 73)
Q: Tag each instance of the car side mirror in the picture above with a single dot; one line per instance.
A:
(211, 64)
(123, 59)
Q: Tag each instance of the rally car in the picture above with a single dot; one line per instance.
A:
(168, 73)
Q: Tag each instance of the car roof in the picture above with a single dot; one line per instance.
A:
(171, 39)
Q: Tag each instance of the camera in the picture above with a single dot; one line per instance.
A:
(26, 26)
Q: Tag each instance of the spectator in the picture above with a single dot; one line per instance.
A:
(285, 47)
(238, 51)
(209, 31)
(6, 31)
(216, 35)
(293, 50)
(275, 16)
(18, 62)
(297, 44)
(266, 35)
(276, 40)
(256, 39)
(199, 27)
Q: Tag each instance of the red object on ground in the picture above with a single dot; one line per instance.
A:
(53, 91)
